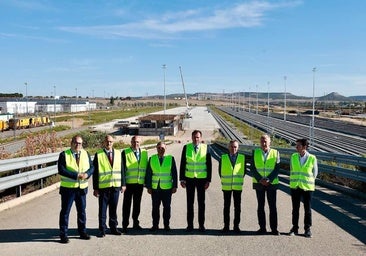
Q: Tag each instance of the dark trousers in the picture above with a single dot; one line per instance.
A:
(159, 196)
(133, 192)
(237, 207)
(191, 186)
(68, 196)
(108, 198)
(296, 195)
(271, 199)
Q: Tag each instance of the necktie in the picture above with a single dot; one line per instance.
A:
(195, 148)
(110, 156)
(77, 157)
(137, 153)
(232, 158)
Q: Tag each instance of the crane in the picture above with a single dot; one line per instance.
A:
(187, 113)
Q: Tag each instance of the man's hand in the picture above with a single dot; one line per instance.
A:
(183, 184)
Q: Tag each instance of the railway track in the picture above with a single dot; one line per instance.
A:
(325, 140)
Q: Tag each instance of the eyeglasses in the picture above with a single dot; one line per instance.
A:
(78, 143)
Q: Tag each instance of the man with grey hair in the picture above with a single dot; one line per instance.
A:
(265, 168)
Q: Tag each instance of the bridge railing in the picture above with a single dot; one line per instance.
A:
(12, 175)
(15, 172)
(22, 170)
(346, 166)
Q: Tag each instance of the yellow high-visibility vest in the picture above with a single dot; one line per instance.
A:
(196, 162)
(265, 167)
(71, 165)
(109, 176)
(135, 173)
(232, 178)
(302, 176)
(161, 174)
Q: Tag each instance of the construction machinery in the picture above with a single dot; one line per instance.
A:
(187, 113)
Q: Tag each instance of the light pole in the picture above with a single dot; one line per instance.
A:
(54, 104)
(284, 109)
(76, 105)
(26, 97)
(256, 86)
(164, 68)
(268, 106)
(249, 100)
(313, 114)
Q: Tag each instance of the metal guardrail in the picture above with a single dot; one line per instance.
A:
(16, 178)
(346, 166)
(17, 164)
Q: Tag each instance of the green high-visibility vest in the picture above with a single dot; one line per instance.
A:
(232, 178)
(109, 176)
(265, 167)
(301, 176)
(196, 162)
(71, 165)
(161, 174)
(135, 171)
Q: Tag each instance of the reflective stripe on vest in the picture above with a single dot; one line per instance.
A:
(302, 176)
(109, 176)
(136, 171)
(196, 162)
(161, 174)
(232, 178)
(265, 167)
(71, 165)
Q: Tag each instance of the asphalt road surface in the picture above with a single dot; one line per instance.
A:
(339, 226)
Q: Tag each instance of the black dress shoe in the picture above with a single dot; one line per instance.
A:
(64, 240)
(116, 232)
(101, 234)
(124, 230)
(153, 229)
(202, 229)
(293, 232)
(189, 229)
(275, 233)
(225, 230)
(236, 229)
(261, 231)
(85, 236)
(137, 227)
(308, 233)
(167, 228)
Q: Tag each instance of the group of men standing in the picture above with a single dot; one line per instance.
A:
(130, 171)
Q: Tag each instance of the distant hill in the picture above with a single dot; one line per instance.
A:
(334, 96)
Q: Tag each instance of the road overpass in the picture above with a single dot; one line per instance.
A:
(339, 225)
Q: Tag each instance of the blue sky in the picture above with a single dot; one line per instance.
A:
(105, 48)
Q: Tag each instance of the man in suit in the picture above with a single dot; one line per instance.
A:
(134, 161)
(161, 183)
(232, 171)
(195, 174)
(75, 167)
(108, 183)
(265, 168)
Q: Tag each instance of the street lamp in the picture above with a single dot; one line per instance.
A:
(249, 100)
(164, 68)
(54, 104)
(256, 86)
(26, 97)
(284, 109)
(268, 106)
(313, 114)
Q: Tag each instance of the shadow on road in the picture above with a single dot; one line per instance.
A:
(342, 210)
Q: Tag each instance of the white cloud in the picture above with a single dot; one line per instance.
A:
(172, 25)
